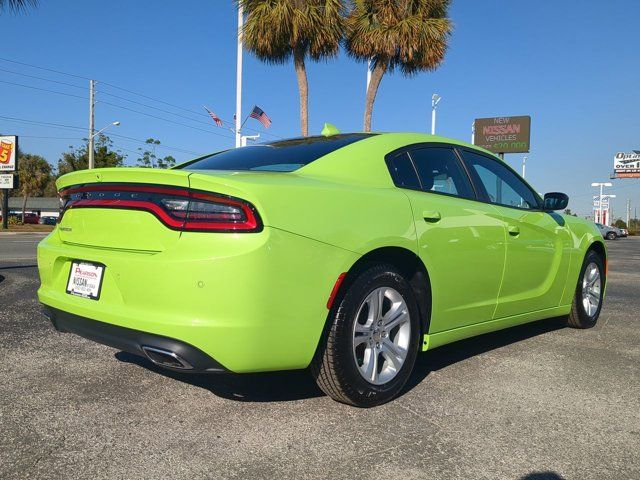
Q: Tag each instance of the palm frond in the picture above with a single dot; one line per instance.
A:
(16, 5)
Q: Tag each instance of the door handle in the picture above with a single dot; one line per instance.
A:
(431, 216)
(514, 231)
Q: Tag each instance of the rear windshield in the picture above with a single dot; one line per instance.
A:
(281, 156)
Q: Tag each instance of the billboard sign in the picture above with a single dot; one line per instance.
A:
(8, 150)
(627, 165)
(503, 134)
(6, 180)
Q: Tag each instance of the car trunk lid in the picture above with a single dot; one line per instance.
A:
(118, 228)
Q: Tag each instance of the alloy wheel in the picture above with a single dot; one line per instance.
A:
(381, 335)
(591, 289)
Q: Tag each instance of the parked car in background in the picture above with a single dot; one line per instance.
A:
(624, 232)
(607, 232)
(48, 220)
(31, 218)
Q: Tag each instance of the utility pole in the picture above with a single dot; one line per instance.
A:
(239, 78)
(92, 93)
(435, 99)
(473, 133)
(524, 166)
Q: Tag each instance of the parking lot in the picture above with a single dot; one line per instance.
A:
(539, 402)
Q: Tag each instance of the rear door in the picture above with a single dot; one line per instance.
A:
(538, 242)
(461, 241)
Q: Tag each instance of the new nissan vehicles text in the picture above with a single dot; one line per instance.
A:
(347, 254)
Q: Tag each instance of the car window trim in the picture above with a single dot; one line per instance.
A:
(422, 145)
(482, 189)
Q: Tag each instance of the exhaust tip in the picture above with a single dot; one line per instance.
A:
(166, 358)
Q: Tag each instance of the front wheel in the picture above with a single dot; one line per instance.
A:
(611, 236)
(587, 301)
(373, 339)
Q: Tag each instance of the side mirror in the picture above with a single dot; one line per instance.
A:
(555, 201)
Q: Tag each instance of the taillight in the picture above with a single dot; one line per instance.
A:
(178, 208)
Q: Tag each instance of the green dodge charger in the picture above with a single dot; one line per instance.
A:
(347, 254)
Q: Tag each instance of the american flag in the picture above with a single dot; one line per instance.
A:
(214, 117)
(262, 117)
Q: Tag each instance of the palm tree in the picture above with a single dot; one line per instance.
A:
(16, 5)
(276, 30)
(410, 35)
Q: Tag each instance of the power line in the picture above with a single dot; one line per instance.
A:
(64, 126)
(42, 78)
(43, 89)
(122, 107)
(118, 88)
(164, 119)
(44, 68)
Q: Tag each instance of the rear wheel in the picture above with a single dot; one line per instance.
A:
(373, 339)
(587, 301)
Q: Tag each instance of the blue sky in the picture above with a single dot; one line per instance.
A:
(572, 65)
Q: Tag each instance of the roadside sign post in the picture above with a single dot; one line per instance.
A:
(8, 165)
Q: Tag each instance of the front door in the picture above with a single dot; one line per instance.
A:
(538, 242)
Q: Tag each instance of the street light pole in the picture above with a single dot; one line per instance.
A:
(94, 135)
(92, 86)
(244, 138)
(524, 166)
(238, 125)
(435, 98)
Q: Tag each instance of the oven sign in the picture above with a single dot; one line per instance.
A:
(627, 165)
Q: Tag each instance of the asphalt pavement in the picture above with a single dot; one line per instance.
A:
(538, 401)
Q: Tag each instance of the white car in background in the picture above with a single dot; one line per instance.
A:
(610, 233)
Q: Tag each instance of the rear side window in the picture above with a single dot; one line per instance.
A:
(280, 156)
(440, 171)
(402, 172)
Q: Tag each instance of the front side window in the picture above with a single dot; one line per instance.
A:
(440, 171)
(502, 186)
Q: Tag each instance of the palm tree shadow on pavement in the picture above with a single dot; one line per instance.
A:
(299, 384)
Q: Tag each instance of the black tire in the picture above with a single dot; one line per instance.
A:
(334, 366)
(611, 236)
(579, 317)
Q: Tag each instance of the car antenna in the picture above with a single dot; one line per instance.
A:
(329, 129)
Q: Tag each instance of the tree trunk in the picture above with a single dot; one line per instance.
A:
(24, 207)
(303, 89)
(376, 78)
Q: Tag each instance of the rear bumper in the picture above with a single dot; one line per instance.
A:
(253, 302)
(132, 341)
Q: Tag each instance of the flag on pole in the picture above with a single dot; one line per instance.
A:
(214, 117)
(262, 117)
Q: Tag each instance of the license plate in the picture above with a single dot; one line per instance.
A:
(85, 279)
